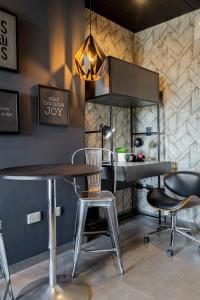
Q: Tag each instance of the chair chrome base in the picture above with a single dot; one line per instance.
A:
(187, 232)
(66, 289)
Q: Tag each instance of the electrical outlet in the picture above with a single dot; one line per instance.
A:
(58, 211)
(34, 217)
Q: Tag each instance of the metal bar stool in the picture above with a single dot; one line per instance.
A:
(94, 197)
(4, 269)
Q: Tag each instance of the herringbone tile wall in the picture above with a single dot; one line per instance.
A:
(169, 49)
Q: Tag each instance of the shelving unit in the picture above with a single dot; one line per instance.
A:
(130, 86)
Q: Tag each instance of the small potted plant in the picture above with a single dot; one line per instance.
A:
(121, 154)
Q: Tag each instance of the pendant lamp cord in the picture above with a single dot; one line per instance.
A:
(90, 18)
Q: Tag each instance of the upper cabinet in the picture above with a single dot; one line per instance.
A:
(124, 84)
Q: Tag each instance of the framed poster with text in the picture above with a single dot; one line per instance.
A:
(9, 111)
(8, 41)
(53, 106)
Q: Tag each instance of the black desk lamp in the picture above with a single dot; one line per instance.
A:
(106, 130)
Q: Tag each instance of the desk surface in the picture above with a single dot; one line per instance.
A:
(130, 171)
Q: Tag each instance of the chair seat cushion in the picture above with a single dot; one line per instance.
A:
(159, 200)
(101, 195)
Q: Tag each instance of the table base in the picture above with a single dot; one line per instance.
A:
(66, 289)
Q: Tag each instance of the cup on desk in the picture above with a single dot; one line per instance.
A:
(130, 157)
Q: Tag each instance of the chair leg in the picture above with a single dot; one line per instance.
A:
(173, 229)
(82, 213)
(184, 229)
(161, 229)
(113, 221)
(187, 235)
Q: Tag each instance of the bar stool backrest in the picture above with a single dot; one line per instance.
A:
(95, 157)
(183, 183)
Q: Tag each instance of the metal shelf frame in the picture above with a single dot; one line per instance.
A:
(132, 133)
(119, 91)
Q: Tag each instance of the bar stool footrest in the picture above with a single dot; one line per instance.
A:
(99, 250)
(96, 232)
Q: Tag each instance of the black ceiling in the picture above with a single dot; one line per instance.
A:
(137, 15)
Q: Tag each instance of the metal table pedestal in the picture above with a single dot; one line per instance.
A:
(55, 287)
(65, 289)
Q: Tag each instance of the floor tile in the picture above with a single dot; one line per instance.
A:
(149, 273)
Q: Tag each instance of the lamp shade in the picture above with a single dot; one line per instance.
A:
(106, 130)
(89, 60)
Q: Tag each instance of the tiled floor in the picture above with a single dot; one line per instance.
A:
(149, 273)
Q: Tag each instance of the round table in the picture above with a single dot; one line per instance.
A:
(54, 287)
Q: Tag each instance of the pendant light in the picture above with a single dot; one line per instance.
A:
(90, 59)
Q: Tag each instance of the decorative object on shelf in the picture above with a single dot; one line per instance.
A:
(121, 154)
(9, 108)
(148, 130)
(8, 41)
(90, 59)
(152, 150)
(130, 157)
(140, 156)
(138, 142)
(106, 130)
(53, 106)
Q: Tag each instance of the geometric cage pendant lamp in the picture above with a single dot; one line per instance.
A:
(90, 59)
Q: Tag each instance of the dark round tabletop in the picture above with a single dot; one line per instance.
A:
(45, 172)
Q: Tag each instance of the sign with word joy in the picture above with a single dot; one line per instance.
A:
(8, 41)
(53, 106)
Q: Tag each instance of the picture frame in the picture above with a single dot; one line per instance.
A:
(53, 106)
(9, 111)
(8, 41)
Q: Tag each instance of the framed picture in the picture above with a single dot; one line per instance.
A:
(53, 106)
(8, 41)
(9, 111)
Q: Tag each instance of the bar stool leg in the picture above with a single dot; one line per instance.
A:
(5, 271)
(82, 213)
(115, 232)
(110, 228)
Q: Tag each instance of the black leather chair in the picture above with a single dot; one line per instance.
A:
(184, 184)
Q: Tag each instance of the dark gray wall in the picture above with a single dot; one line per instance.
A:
(50, 32)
